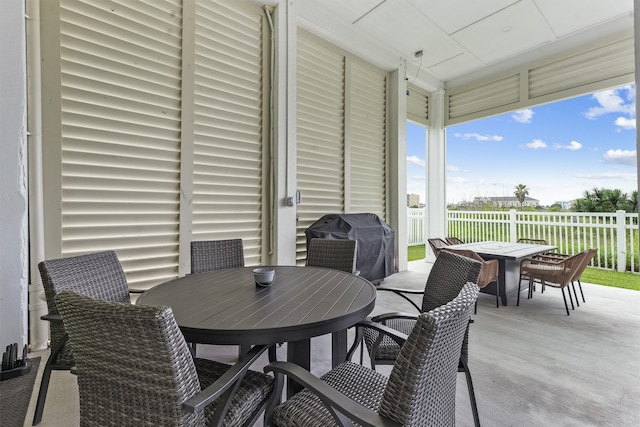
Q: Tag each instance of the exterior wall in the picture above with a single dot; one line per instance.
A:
(13, 175)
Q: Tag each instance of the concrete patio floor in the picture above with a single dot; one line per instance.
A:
(532, 365)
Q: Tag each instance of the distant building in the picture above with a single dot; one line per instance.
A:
(505, 202)
(413, 200)
(564, 205)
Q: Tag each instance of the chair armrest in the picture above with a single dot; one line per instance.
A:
(334, 400)
(234, 374)
(397, 336)
(51, 317)
(403, 293)
(381, 318)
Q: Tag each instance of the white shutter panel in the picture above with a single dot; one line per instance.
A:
(320, 144)
(586, 68)
(418, 105)
(229, 123)
(367, 136)
(120, 133)
(499, 93)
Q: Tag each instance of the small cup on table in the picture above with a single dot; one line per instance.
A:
(264, 276)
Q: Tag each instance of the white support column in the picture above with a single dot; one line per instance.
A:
(436, 195)
(398, 165)
(284, 217)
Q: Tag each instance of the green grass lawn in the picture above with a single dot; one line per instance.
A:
(596, 276)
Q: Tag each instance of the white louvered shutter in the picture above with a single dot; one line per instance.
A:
(418, 105)
(120, 133)
(342, 134)
(320, 144)
(367, 136)
(229, 123)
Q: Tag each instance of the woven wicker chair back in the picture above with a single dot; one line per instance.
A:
(489, 271)
(338, 254)
(584, 263)
(454, 241)
(421, 390)
(133, 364)
(437, 244)
(533, 241)
(98, 275)
(449, 274)
(211, 255)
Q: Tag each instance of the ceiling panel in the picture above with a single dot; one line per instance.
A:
(508, 32)
(454, 15)
(457, 66)
(461, 38)
(568, 16)
(406, 30)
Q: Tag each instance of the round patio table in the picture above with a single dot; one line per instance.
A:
(226, 307)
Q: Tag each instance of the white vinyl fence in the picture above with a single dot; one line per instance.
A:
(615, 235)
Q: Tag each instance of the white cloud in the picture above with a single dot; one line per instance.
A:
(623, 157)
(611, 101)
(626, 123)
(415, 161)
(573, 145)
(523, 116)
(479, 137)
(459, 180)
(451, 168)
(536, 144)
(607, 175)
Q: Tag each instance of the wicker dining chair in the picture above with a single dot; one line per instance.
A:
(488, 273)
(98, 275)
(555, 273)
(449, 274)
(437, 244)
(134, 368)
(586, 260)
(531, 240)
(211, 255)
(453, 241)
(420, 391)
(338, 254)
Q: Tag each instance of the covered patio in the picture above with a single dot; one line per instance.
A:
(532, 365)
(139, 127)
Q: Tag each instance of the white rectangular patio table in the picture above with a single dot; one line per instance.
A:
(505, 252)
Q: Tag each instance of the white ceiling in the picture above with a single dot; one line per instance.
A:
(462, 40)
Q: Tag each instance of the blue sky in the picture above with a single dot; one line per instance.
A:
(557, 150)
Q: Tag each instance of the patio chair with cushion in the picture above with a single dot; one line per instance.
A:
(556, 273)
(420, 391)
(437, 244)
(211, 255)
(338, 254)
(98, 275)
(448, 276)
(488, 273)
(134, 368)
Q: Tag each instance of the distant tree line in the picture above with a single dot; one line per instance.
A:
(596, 200)
(607, 200)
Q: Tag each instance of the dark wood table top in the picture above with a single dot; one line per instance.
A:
(226, 307)
(505, 250)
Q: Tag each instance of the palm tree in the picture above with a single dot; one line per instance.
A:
(521, 193)
(612, 200)
(586, 204)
